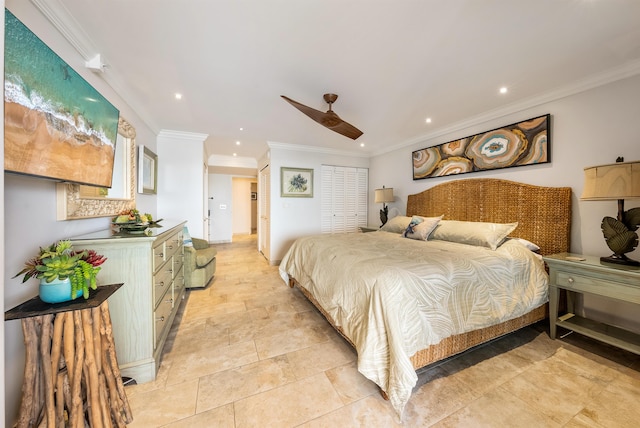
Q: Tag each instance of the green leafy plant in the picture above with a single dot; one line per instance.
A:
(59, 260)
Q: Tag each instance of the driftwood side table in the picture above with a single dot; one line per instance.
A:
(71, 374)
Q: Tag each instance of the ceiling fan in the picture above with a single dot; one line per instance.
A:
(329, 119)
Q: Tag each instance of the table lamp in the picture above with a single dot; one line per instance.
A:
(382, 196)
(616, 181)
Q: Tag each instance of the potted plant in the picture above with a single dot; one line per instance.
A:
(63, 272)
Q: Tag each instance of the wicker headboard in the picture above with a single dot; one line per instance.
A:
(543, 213)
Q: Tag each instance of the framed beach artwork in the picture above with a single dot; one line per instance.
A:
(518, 144)
(56, 124)
(147, 171)
(296, 182)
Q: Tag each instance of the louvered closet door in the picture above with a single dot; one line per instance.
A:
(344, 199)
(362, 204)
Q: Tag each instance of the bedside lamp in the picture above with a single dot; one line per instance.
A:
(616, 181)
(382, 196)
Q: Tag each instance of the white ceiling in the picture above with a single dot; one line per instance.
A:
(392, 63)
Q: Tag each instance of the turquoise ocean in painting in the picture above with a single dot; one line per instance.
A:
(38, 79)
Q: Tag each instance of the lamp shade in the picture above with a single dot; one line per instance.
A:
(619, 180)
(384, 195)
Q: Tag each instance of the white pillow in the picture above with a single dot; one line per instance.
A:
(397, 224)
(481, 234)
(530, 245)
(420, 227)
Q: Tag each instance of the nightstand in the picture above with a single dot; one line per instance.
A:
(576, 273)
(365, 229)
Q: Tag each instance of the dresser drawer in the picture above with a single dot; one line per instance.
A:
(161, 283)
(158, 256)
(162, 317)
(599, 286)
(172, 245)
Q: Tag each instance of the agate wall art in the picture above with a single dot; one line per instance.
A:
(518, 144)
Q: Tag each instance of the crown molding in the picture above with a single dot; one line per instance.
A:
(609, 76)
(167, 134)
(315, 149)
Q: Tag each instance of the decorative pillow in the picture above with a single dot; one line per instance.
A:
(396, 224)
(530, 245)
(420, 227)
(481, 234)
(186, 237)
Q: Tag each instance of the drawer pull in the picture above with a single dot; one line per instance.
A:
(169, 301)
(161, 255)
(161, 284)
(161, 319)
(170, 247)
(570, 280)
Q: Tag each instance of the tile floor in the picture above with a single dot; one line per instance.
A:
(248, 351)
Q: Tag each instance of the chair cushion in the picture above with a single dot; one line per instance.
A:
(204, 256)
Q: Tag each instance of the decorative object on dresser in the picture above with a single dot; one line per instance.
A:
(64, 273)
(576, 274)
(71, 372)
(383, 196)
(151, 268)
(518, 144)
(616, 181)
(199, 261)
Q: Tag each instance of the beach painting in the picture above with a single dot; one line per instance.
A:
(56, 125)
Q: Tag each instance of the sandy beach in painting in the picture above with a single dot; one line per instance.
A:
(37, 143)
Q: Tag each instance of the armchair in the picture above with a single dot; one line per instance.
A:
(199, 263)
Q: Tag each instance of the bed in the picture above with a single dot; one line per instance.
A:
(393, 298)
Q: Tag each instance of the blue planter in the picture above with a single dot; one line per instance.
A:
(56, 291)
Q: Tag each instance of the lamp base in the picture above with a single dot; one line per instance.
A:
(620, 259)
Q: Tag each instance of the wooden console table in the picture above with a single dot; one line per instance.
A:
(71, 374)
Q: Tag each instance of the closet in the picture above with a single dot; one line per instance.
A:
(344, 198)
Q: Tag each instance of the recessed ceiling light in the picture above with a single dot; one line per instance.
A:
(428, 120)
(178, 96)
(361, 144)
(237, 143)
(503, 90)
(241, 129)
(235, 154)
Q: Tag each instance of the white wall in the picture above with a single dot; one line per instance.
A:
(180, 179)
(30, 209)
(589, 128)
(292, 218)
(220, 203)
(2, 275)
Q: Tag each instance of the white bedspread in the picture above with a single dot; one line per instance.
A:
(394, 296)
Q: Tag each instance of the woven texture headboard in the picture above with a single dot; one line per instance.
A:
(543, 213)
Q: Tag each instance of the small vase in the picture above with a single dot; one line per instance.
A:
(56, 291)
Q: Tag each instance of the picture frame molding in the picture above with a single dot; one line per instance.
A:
(147, 171)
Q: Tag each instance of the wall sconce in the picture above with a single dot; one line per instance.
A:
(382, 196)
(617, 181)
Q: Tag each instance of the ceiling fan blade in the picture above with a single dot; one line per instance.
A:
(347, 130)
(314, 114)
(328, 119)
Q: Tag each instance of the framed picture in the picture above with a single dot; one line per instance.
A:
(147, 171)
(518, 144)
(296, 182)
